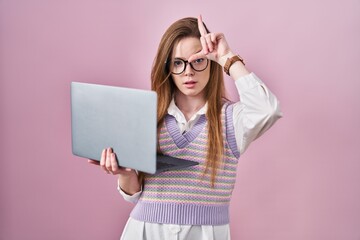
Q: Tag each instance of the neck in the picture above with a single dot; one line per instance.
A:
(189, 105)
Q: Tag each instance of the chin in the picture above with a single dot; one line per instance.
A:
(191, 93)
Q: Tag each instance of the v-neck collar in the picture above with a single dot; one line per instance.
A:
(182, 140)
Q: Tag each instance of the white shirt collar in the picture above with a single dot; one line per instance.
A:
(179, 116)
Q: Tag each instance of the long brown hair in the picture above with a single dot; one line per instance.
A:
(162, 83)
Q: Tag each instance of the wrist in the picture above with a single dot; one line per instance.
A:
(129, 190)
(234, 60)
(129, 184)
(233, 65)
(223, 59)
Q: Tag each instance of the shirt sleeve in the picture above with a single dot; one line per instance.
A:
(130, 198)
(257, 110)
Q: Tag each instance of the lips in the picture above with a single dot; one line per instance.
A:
(189, 82)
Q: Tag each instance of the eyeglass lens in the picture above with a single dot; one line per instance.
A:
(178, 65)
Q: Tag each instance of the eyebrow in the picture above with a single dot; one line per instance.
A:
(186, 59)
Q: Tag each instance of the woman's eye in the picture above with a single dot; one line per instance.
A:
(177, 63)
(199, 60)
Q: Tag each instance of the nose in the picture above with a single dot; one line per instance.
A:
(188, 69)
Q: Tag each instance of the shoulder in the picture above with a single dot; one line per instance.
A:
(227, 106)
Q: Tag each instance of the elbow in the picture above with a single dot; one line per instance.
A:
(270, 115)
(272, 108)
(274, 111)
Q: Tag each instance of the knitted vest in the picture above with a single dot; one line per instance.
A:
(186, 196)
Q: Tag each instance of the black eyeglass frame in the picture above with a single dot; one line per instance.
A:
(187, 62)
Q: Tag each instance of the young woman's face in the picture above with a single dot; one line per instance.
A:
(190, 82)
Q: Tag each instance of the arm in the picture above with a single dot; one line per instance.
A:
(130, 198)
(259, 108)
(257, 111)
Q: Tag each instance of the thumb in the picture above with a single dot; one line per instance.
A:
(197, 56)
(93, 162)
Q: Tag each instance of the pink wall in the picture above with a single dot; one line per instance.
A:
(299, 181)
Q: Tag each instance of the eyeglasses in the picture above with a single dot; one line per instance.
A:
(178, 65)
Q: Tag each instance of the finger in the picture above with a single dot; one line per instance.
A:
(93, 162)
(114, 164)
(201, 26)
(197, 56)
(214, 37)
(103, 159)
(209, 42)
(204, 45)
(108, 159)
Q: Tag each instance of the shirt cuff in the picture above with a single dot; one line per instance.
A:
(130, 198)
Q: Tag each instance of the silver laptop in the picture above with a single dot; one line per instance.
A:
(124, 119)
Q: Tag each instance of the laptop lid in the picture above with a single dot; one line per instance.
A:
(122, 118)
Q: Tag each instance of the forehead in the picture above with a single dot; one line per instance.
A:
(186, 47)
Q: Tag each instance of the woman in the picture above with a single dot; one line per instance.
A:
(195, 122)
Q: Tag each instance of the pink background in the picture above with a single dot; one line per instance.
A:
(299, 181)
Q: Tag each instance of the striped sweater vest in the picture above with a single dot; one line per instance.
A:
(186, 196)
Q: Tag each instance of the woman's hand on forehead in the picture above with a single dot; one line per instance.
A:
(214, 45)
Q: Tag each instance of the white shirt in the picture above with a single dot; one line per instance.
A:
(254, 114)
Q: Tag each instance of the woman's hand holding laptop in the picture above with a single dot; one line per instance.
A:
(128, 178)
